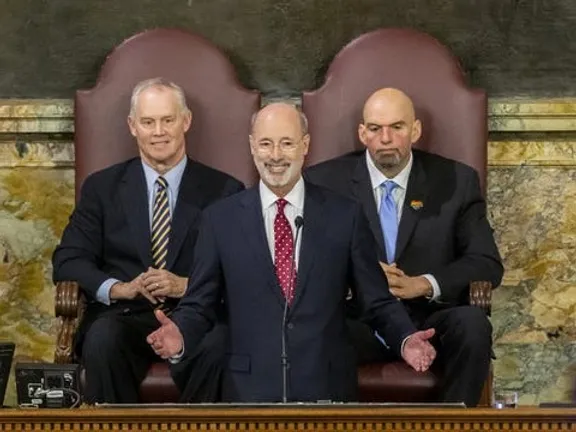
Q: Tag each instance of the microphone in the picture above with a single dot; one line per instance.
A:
(298, 222)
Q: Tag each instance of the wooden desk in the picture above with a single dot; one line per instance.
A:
(290, 419)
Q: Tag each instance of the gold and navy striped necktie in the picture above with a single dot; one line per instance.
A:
(160, 224)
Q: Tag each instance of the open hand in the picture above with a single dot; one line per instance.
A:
(418, 352)
(167, 341)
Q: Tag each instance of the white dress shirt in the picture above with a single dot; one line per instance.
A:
(293, 209)
(399, 195)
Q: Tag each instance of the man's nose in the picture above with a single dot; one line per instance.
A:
(386, 136)
(158, 128)
(276, 152)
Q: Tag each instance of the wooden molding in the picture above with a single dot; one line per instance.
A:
(290, 418)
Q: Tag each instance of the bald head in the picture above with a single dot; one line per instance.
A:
(281, 109)
(389, 129)
(390, 98)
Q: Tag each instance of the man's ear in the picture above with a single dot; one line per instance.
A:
(251, 140)
(132, 125)
(306, 143)
(416, 131)
(362, 133)
(190, 118)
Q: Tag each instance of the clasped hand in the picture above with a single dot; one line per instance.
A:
(405, 287)
(154, 285)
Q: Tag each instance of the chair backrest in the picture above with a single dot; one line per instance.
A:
(221, 106)
(454, 117)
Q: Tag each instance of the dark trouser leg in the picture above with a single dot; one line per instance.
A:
(463, 342)
(198, 376)
(368, 348)
(116, 357)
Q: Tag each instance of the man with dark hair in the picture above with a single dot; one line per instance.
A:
(129, 244)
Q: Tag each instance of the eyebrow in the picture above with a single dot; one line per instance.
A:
(281, 139)
(399, 122)
(161, 118)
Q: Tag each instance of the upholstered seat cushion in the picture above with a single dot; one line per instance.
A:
(379, 382)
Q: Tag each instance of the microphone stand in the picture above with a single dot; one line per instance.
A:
(298, 222)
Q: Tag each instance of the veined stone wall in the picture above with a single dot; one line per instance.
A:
(531, 202)
(532, 205)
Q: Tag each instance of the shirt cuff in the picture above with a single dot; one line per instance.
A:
(178, 357)
(103, 292)
(404, 343)
(436, 293)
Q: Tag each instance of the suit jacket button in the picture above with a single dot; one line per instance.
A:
(290, 326)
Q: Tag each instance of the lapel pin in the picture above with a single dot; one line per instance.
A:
(416, 204)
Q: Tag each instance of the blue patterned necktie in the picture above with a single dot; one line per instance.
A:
(389, 219)
(160, 224)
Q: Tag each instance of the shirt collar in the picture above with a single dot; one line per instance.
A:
(295, 197)
(377, 178)
(173, 176)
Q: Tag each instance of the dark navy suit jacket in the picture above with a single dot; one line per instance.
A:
(444, 230)
(108, 235)
(232, 263)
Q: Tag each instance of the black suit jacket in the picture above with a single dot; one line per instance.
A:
(233, 262)
(108, 235)
(448, 236)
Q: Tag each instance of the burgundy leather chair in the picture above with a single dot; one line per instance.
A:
(454, 125)
(221, 109)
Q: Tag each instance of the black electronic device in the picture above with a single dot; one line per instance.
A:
(47, 385)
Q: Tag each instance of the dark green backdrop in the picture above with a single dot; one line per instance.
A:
(49, 48)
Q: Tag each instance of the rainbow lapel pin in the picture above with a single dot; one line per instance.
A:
(416, 204)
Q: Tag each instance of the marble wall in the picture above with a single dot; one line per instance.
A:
(36, 198)
(531, 200)
(531, 191)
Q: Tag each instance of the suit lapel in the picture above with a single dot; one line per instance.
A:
(252, 223)
(416, 194)
(186, 212)
(362, 190)
(134, 198)
(312, 235)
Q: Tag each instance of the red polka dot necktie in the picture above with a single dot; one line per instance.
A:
(284, 252)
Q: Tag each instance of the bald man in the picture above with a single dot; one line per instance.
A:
(428, 216)
(282, 278)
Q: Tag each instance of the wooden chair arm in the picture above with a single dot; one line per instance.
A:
(69, 306)
(481, 295)
(67, 299)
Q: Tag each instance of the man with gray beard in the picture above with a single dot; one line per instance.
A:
(286, 280)
(428, 217)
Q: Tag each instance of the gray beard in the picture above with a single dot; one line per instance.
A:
(387, 162)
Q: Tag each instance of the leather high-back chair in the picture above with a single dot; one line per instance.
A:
(221, 108)
(454, 125)
(453, 116)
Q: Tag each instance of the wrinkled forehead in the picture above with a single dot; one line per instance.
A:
(157, 101)
(276, 127)
(387, 111)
